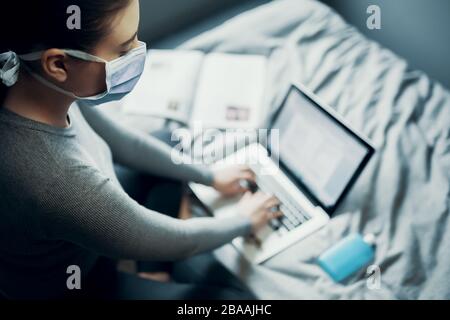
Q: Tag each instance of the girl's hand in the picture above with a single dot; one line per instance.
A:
(260, 208)
(227, 180)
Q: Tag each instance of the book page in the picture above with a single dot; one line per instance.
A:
(230, 91)
(167, 86)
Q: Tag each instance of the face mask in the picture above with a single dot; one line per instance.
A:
(122, 74)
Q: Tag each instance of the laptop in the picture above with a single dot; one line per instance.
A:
(310, 167)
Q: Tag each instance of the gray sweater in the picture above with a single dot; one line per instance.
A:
(61, 203)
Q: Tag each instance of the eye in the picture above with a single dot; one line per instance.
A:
(123, 53)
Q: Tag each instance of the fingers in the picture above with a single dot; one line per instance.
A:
(244, 172)
(243, 167)
(271, 205)
(267, 201)
(263, 196)
(275, 215)
(272, 202)
(246, 179)
(243, 184)
(247, 195)
(248, 175)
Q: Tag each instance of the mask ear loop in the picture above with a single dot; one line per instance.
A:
(84, 56)
(73, 53)
(34, 57)
(47, 83)
(91, 58)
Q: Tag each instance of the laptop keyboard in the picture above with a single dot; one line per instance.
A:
(293, 215)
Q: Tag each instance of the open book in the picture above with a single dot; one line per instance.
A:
(218, 90)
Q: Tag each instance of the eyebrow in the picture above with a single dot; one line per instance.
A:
(126, 43)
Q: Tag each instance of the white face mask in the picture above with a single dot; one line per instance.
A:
(122, 74)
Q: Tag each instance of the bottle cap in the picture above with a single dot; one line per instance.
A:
(370, 239)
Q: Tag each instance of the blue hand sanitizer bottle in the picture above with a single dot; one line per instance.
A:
(348, 256)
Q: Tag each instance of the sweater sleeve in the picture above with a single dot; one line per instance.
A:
(142, 152)
(89, 209)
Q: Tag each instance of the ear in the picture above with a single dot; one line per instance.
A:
(54, 64)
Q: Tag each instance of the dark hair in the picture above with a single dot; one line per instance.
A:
(31, 25)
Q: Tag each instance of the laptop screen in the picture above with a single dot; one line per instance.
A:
(321, 152)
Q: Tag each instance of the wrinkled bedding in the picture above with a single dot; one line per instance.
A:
(402, 196)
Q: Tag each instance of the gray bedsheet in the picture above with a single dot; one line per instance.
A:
(402, 196)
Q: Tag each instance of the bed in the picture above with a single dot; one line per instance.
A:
(403, 194)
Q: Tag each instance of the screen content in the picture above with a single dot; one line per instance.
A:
(315, 148)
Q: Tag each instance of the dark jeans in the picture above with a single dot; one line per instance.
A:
(198, 277)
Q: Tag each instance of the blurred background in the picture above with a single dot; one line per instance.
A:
(414, 29)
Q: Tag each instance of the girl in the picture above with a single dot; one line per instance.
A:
(61, 202)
